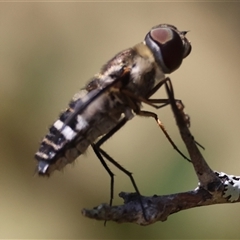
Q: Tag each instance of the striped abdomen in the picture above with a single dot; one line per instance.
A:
(79, 126)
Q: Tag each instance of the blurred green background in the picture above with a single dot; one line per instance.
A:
(48, 51)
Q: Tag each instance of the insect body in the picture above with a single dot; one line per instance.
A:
(113, 97)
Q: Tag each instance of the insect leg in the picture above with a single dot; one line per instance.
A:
(147, 100)
(179, 105)
(155, 116)
(111, 132)
(101, 153)
(155, 89)
(129, 174)
(150, 102)
(97, 152)
(96, 149)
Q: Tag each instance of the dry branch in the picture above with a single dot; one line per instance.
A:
(213, 187)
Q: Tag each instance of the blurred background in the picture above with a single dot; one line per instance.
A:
(48, 51)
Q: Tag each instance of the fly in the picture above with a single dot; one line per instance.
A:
(112, 98)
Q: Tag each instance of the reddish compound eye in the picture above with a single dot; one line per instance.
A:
(169, 46)
(162, 35)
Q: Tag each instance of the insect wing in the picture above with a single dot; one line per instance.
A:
(58, 148)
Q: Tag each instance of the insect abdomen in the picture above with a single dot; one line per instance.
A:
(70, 136)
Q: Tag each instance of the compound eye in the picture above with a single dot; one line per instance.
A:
(187, 48)
(161, 35)
(169, 46)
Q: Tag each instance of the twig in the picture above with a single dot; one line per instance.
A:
(213, 187)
